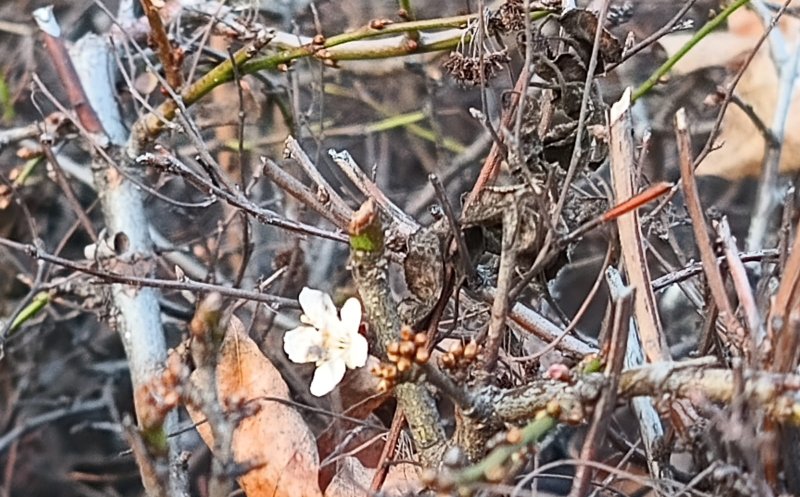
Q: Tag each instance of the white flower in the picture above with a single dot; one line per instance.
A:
(331, 342)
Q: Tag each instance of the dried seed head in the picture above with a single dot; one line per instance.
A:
(509, 17)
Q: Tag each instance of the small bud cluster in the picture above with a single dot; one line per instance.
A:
(412, 348)
(460, 356)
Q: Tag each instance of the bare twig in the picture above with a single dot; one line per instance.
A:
(463, 253)
(111, 278)
(235, 198)
(536, 324)
(62, 63)
(747, 301)
(779, 352)
(655, 36)
(696, 268)
(769, 193)
(704, 243)
(630, 232)
(502, 295)
(491, 166)
(169, 60)
(650, 425)
(295, 188)
(617, 344)
(405, 223)
(577, 148)
(727, 98)
(324, 190)
(388, 451)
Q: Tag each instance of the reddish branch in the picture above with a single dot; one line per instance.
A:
(170, 58)
(491, 166)
(704, 244)
(62, 63)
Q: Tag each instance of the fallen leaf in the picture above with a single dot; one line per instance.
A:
(275, 441)
(360, 396)
(353, 480)
(742, 146)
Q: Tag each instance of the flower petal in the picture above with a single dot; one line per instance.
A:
(303, 344)
(327, 376)
(317, 306)
(351, 315)
(356, 355)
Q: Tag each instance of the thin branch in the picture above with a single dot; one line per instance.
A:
(349, 167)
(696, 268)
(111, 278)
(747, 301)
(769, 194)
(615, 361)
(655, 36)
(651, 428)
(704, 244)
(169, 61)
(630, 232)
(458, 236)
(324, 190)
(707, 28)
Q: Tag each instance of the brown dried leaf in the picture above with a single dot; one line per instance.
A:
(353, 480)
(359, 392)
(275, 440)
(742, 145)
(581, 25)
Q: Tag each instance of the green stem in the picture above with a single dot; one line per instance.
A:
(151, 125)
(400, 28)
(491, 468)
(405, 5)
(397, 121)
(31, 310)
(408, 12)
(406, 120)
(705, 30)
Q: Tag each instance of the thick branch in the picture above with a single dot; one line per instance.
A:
(370, 271)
